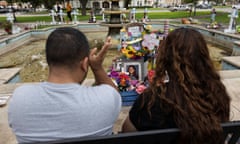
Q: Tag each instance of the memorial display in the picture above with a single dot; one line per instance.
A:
(133, 70)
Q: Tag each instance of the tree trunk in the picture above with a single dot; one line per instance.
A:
(195, 3)
(83, 4)
(126, 2)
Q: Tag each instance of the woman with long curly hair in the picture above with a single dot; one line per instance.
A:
(186, 92)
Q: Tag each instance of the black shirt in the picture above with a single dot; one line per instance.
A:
(143, 121)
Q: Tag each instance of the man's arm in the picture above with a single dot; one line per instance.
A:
(96, 60)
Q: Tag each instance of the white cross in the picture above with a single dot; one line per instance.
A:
(232, 23)
(61, 14)
(53, 14)
(75, 14)
(10, 17)
(133, 18)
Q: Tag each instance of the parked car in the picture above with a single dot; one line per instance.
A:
(203, 6)
(4, 10)
(165, 5)
(237, 6)
(179, 8)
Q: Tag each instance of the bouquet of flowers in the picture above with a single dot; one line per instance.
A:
(125, 83)
(137, 44)
(213, 25)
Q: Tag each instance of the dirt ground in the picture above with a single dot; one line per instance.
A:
(31, 58)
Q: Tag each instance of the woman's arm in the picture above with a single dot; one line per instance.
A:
(128, 126)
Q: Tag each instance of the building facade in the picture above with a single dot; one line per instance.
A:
(99, 4)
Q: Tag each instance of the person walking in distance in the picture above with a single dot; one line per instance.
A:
(213, 15)
(69, 11)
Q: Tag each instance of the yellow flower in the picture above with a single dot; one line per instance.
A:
(148, 27)
(123, 30)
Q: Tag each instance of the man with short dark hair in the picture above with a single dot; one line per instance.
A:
(61, 107)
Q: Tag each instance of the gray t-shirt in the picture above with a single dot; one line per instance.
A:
(48, 111)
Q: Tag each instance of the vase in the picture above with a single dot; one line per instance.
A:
(9, 31)
(128, 97)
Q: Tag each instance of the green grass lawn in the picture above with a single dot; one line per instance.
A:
(155, 15)
(221, 17)
(35, 18)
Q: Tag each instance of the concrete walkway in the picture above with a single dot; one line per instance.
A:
(231, 80)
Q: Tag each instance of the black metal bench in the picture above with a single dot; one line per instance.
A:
(164, 136)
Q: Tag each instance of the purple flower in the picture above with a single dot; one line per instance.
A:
(114, 74)
(133, 82)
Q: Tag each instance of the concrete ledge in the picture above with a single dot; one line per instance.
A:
(231, 63)
(7, 74)
(217, 37)
(229, 74)
(236, 49)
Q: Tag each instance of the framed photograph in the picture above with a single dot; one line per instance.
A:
(135, 29)
(117, 64)
(134, 69)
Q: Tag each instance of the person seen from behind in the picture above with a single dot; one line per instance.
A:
(69, 10)
(234, 16)
(62, 107)
(186, 92)
(58, 7)
(213, 15)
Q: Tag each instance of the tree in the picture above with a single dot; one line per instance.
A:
(34, 3)
(194, 3)
(83, 4)
(126, 2)
(49, 3)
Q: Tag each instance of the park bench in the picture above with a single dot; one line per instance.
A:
(163, 136)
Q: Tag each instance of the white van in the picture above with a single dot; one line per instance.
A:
(180, 8)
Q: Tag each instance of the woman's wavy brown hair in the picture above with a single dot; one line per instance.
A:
(195, 94)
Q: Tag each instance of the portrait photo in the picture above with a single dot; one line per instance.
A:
(134, 70)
